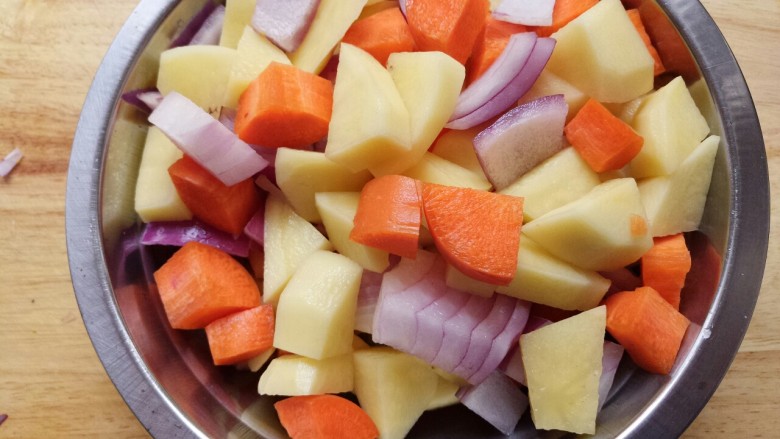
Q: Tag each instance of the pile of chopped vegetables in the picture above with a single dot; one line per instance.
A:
(440, 202)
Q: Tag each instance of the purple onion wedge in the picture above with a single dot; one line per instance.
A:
(483, 335)
(284, 22)
(430, 322)
(521, 139)
(211, 30)
(501, 345)
(526, 12)
(145, 99)
(457, 332)
(513, 91)
(206, 140)
(610, 360)
(368, 295)
(496, 78)
(185, 36)
(178, 233)
(497, 399)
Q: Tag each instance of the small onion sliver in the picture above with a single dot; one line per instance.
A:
(178, 233)
(498, 400)
(206, 140)
(10, 161)
(185, 36)
(610, 360)
(503, 70)
(525, 12)
(284, 22)
(255, 228)
(368, 295)
(145, 99)
(402, 5)
(211, 30)
(513, 91)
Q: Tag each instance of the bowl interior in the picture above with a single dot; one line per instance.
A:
(166, 376)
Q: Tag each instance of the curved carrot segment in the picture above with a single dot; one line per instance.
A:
(240, 336)
(449, 26)
(381, 34)
(648, 327)
(228, 208)
(388, 215)
(200, 284)
(324, 417)
(477, 232)
(665, 266)
(285, 106)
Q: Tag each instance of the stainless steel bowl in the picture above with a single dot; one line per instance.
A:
(166, 377)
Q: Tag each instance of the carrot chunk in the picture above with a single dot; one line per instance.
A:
(240, 336)
(449, 26)
(604, 141)
(228, 208)
(381, 34)
(389, 215)
(477, 232)
(665, 266)
(648, 327)
(636, 19)
(490, 43)
(324, 417)
(200, 284)
(285, 106)
(565, 11)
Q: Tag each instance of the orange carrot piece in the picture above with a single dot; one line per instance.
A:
(200, 284)
(285, 106)
(648, 327)
(490, 43)
(242, 335)
(449, 26)
(381, 34)
(389, 215)
(477, 232)
(604, 141)
(636, 19)
(324, 417)
(565, 11)
(228, 208)
(665, 266)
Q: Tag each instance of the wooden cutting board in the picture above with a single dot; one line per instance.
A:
(52, 383)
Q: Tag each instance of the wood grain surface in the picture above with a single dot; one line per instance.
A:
(51, 381)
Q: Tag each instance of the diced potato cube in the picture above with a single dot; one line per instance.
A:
(434, 169)
(199, 72)
(293, 375)
(253, 55)
(156, 198)
(238, 15)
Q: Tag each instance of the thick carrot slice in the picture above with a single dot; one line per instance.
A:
(449, 26)
(604, 141)
(490, 43)
(381, 34)
(324, 417)
(636, 19)
(665, 266)
(477, 232)
(227, 208)
(565, 11)
(389, 215)
(285, 106)
(240, 336)
(200, 284)
(648, 327)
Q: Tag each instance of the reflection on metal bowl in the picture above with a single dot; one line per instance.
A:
(166, 376)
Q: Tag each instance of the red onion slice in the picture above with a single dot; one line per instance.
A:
(430, 322)
(178, 233)
(404, 291)
(505, 68)
(498, 400)
(402, 5)
(368, 295)
(514, 89)
(206, 140)
(10, 161)
(501, 345)
(255, 228)
(284, 22)
(185, 36)
(457, 332)
(527, 12)
(145, 99)
(211, 30)
(521, 139)
(483, 335)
